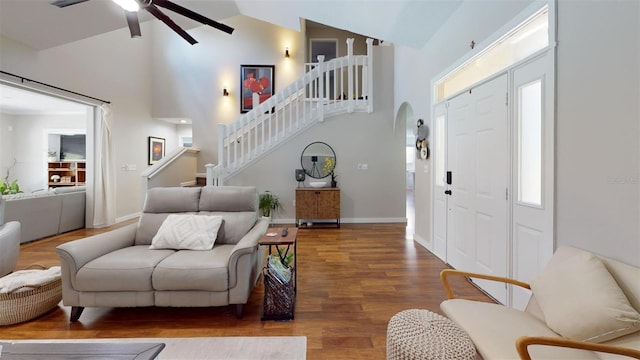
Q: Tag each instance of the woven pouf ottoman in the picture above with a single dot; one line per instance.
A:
(422, 334)
(27, 294)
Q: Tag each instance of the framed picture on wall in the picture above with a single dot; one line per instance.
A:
(156, 149)
(257, 79)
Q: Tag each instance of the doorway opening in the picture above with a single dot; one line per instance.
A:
(404, 121)
(26, 120)
(492, 208)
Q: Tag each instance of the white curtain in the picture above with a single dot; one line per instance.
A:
(104, 209)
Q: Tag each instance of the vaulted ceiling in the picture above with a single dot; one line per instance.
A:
(40, 25)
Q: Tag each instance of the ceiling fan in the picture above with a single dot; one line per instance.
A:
(131, 8)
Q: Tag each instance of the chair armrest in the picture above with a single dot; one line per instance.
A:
(446, 272)
(247, 245)
(79, 252)
(523, 342)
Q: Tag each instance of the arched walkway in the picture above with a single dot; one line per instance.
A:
(404, 121)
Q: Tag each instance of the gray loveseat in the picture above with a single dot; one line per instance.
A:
(118, 269)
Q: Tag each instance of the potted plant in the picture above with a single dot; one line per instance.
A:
(53, 155)
(7, 188)
(269, 204)
(330, 168)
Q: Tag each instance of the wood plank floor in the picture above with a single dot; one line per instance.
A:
(350, 282)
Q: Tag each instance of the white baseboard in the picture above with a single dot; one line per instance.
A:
(373, 220)
(421, 241)
(188, 183)
(351, 221)
(292, 221)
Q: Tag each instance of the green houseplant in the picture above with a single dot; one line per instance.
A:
(7, 188)
(269, 203)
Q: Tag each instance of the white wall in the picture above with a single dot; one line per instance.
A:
(597, 123)
(188, 80)
(373, 195)
(159, 75)
(6, 145)
(183, 131)
(597, 132)
(415, 69)
(111, 67)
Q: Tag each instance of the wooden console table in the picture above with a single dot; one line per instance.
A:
(317, 204)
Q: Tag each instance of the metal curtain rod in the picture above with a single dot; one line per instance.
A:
(23, 79)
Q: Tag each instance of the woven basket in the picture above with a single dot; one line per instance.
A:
(21, 305)
(279, 298)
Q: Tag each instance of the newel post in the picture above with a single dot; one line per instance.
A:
(209, 168)
(350, 65)
(321, 87)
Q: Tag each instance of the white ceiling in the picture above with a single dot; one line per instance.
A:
(40, 25)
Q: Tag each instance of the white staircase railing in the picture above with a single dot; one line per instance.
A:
(341, 85)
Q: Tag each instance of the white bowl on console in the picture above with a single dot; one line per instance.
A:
(318, 184)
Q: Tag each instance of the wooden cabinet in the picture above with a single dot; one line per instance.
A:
(317, 204)
(71, 173)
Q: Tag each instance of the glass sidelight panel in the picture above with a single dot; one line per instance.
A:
(529, 108)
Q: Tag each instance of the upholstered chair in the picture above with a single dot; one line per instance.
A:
(9, 246)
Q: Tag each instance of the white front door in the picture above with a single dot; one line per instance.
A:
(478, 159)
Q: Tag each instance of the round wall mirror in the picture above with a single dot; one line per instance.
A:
(318, 160)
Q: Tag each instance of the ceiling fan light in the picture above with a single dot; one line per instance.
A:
(128, 5)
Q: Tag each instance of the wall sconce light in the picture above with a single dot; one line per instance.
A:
(225, 92)
(286, 52)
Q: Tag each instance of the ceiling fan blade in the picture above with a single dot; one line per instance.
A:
(134, 24)
(193, 15)
(165, 19)
(65, 3)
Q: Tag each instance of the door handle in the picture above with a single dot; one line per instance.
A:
(448, 192)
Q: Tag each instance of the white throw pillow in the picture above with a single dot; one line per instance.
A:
(187, 232)
(581, 300)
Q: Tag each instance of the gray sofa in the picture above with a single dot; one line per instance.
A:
(118, 268)
(46, 213)
(9, 246)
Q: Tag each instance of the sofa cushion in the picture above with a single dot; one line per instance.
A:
(581, 300)
(494, 329)
(127, 269)
(187, 232)
(171, 200)
(235, 225)
(194, 270)
(229, 198)
(148, 226)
